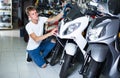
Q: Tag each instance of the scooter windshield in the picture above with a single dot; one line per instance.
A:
(73, 13)
(98, 22)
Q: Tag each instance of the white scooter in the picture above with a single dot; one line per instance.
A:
(73, 30)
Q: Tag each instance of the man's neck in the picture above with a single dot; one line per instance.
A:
(35, 21)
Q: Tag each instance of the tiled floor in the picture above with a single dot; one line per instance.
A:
(13, 60)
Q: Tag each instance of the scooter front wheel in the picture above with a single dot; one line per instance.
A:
(94, 70)
(65, 66)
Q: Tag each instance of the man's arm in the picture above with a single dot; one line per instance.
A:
(55, 18)
(61, 14)
(39, 38)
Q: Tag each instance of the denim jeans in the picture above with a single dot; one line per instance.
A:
(46, 46)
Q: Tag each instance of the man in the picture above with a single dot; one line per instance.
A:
(37, 40)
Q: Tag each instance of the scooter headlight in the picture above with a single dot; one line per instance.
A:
(94, 34)
(72, 28)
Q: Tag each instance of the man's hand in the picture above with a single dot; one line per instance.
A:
(66, 7)
(54, 31)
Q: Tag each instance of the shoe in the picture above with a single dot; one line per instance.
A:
(29, 58)
(44, 65)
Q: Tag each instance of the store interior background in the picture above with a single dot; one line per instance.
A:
(19, 17)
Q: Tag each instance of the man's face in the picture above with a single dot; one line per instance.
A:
(33, 15)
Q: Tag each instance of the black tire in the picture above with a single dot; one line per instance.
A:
(94, 70)
(56, 55)
(65, 66)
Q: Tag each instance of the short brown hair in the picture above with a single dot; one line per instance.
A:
(30, 8)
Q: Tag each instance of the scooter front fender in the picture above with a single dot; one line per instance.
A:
(70, 49)
(98, 52)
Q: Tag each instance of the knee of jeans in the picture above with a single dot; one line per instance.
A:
(53, 41)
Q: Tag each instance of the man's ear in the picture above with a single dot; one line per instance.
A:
(29, 18)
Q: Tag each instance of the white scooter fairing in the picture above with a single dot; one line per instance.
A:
(73, 30)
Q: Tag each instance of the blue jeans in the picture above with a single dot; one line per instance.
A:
(46, 46)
